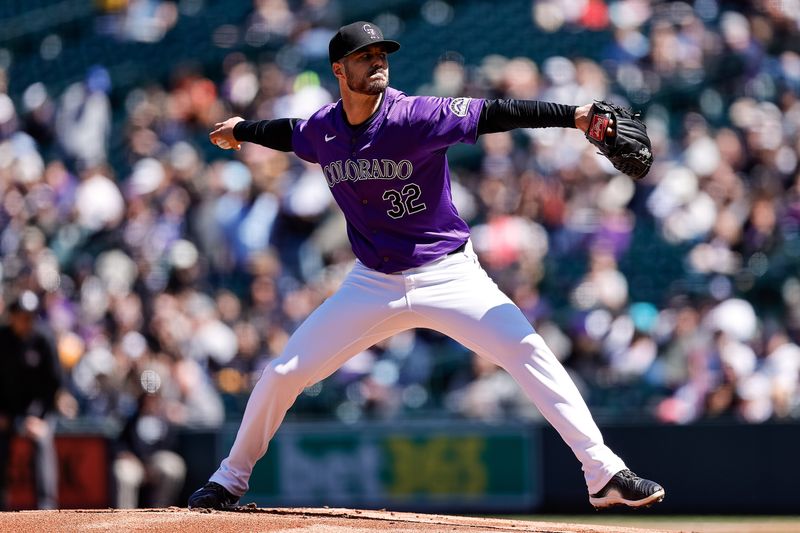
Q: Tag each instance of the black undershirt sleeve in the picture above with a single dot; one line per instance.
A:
(275, 134)
(496, 116)
(505, 115)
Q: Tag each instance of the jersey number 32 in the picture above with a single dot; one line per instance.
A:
(405, 201)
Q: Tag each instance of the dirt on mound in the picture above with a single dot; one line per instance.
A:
(251, 519)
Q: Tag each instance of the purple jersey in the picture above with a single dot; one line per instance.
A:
(390, 177)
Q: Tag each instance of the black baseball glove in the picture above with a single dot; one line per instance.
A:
(629, 149)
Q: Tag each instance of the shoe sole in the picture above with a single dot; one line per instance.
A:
(210, 508)
(226, 508)
(612, 501)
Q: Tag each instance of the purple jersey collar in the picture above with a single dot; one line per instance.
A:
(372, 123)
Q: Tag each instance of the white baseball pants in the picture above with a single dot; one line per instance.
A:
(452, 295)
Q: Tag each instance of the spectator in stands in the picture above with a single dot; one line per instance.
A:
(83, 119)
(146, 458)
(30, 378)
(487, 392)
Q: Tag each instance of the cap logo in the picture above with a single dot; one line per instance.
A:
(369, 30)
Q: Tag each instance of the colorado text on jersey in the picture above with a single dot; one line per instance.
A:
(367, 169)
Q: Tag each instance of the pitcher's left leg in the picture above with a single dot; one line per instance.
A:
(473, 311)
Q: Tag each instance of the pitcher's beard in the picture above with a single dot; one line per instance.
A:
(375, 87)
(366, 85)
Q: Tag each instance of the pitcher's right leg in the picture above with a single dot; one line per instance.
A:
(368, 308)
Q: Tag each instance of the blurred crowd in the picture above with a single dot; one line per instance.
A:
(181, 272)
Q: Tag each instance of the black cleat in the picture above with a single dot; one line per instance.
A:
(626, 488)
(212, 496)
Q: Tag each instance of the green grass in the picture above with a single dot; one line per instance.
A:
(689, 523)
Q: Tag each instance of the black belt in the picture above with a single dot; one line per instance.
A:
(459, 249)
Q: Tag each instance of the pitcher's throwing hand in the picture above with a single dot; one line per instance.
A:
(222, 135)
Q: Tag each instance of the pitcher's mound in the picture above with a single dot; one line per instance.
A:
(248, 519)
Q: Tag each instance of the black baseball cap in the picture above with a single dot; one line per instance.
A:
(356, 36)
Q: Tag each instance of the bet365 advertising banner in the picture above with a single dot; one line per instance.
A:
(420, 466)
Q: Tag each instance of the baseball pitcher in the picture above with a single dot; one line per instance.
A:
(383, 154)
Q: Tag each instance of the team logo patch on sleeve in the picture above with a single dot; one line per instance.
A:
(460, 106)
